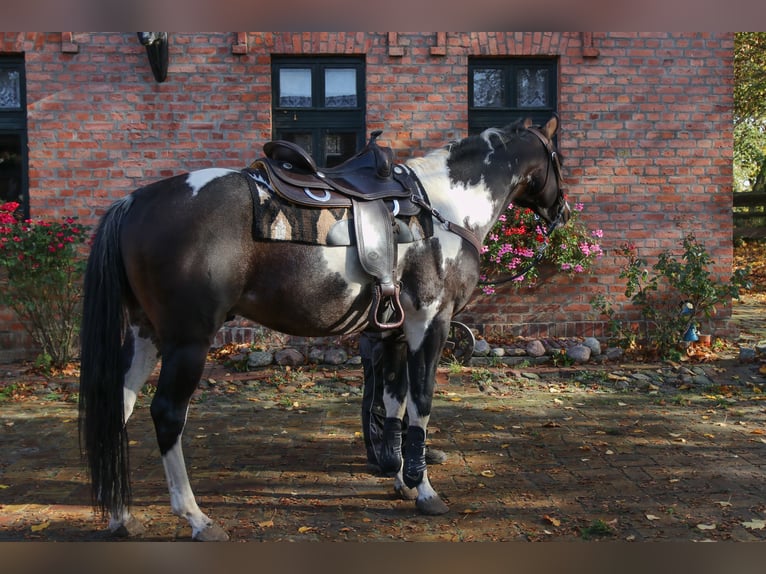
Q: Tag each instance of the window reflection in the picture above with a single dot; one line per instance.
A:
(295, 88)
(340, 88)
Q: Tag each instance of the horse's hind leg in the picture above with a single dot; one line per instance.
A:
(140, 357)
(182, 367)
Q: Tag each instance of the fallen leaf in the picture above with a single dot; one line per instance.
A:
(758, 431)
(551, 425)
(706, 526)
(723, 503)
(621, 404)
(266, 524)
(498, 427)
(455, 399)
(4, 486)
(468, 511)
(304, 529)
(41, 526)
(488, 473)
(755, 524)
(552, 520)
(652, 517)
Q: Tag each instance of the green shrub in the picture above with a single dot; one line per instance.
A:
(41, 269)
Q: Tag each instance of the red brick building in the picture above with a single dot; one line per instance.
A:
(646, 127)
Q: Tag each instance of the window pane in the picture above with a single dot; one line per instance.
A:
(304, 140)
(488, 88)
(10, 90)
(532, 87)
(11, 169)
(339, 147)
(340, 88)
(295, 87)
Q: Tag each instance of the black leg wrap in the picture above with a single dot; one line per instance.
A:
(391, 450)
(414, 456)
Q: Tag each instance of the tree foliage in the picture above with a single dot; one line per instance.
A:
(750, 111)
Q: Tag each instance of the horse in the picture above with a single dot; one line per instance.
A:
(171, 261)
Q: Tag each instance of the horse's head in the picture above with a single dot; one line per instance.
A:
(516, 164)
(541, 187)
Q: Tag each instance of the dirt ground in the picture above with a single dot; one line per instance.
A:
(543, 454)
(611, 452)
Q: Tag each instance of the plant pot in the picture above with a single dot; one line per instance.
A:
(705, 340)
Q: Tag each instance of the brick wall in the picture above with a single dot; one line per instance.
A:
(646, 129)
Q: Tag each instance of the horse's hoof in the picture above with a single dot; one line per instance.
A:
(405, 492)
(432, 506)
(131, 528)
(211, 533)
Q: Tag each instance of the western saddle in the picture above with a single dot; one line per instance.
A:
(374, 188)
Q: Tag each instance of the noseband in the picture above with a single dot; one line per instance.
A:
(553, 159)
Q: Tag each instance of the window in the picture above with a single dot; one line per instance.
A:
(319, 104)
(504, 90)
(13, 133)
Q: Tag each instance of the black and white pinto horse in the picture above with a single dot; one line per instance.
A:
(172, 260)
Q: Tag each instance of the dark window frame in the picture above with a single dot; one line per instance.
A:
(13, 124)
(481, 118)
(320, 120)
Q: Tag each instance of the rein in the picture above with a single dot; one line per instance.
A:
(420, 198)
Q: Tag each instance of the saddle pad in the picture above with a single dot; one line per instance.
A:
(277, 219)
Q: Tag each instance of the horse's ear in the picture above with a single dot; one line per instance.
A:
(528, 123)
(550, 128)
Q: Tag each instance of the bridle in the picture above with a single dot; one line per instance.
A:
(553, 160)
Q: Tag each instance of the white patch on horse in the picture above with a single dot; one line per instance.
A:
(145, 358)
(486, 135)
(418, 321)
(182, 499)
(470, 206)
(196, 180)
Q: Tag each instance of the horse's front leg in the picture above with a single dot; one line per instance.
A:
(421, 366)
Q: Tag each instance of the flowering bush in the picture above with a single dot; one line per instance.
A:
(518, 238)
(40, 273)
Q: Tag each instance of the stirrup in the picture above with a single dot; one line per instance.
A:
(389, 296)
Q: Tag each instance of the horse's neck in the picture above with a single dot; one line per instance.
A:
(471, 206)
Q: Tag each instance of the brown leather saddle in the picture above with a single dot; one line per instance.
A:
(373, 187)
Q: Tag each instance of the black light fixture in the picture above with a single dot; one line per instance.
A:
(157, 51)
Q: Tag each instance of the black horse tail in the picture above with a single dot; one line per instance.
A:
(101, 422)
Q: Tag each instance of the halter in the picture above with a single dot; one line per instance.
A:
(553, 159)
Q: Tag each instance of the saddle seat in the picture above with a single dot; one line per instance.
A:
(368, 175)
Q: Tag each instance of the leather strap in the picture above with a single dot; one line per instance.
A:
(419, 198)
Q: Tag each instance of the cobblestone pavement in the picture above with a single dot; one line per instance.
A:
(540, 454)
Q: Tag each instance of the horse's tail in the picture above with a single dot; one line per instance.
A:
(102, 426)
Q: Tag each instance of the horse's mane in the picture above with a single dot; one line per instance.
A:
(478, 142)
